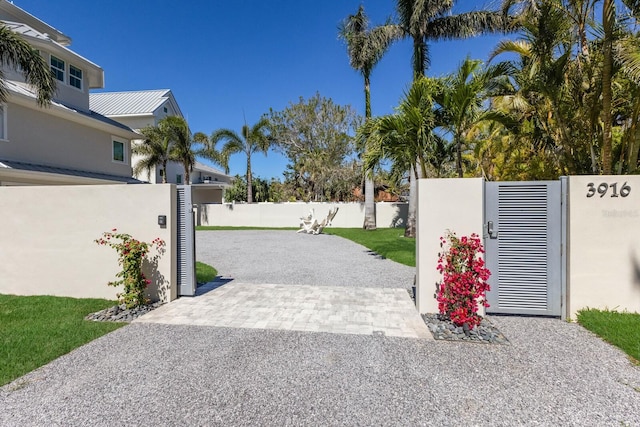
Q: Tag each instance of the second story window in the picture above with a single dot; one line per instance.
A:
(57, 68)
(75, 77)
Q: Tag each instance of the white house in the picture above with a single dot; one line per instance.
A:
(67, 142)
(139, 109)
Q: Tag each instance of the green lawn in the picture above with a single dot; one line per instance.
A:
(227, 228)
(35, 330)
(619, 329)
(205, 273)
(388, 242)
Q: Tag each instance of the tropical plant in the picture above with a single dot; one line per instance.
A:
(252, 139)
(131, 254)
(431, 20)
(17, 53)
(464, 282)
(182, 143)
(153, 152)
(365, 48)
(461, 101)
(170, 140)
(406, 138)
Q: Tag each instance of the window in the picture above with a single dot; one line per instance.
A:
(75, 77)
(3, 123)
(118, 151)
(165, 109)
(57, 68)
(178, 179)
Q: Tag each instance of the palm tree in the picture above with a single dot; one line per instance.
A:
(177, 129)
(170, 140)
(365, 48)
(16, 52)
(406, 138)
(431, 20)
(250, 140)
(461, 101)
(154, 151)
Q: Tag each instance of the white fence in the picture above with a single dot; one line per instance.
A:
(47, 245)
(603, 238)
(349, 215)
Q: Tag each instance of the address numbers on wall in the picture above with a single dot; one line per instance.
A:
(603, 188)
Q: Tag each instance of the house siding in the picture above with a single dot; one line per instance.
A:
(38, 137)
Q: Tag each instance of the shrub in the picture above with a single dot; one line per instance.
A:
(464, 283)
(131, 254)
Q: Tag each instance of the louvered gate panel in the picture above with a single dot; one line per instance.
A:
(522, 239)
(186, 243)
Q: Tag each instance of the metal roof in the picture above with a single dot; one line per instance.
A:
(142, 102)
(205, 168)
(33, 167)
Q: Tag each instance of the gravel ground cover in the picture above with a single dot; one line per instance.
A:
(286, 257)
(553, 373)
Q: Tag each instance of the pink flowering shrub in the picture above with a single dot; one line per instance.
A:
(131, 254)
(464, 283)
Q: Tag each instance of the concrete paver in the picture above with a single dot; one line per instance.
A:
(338, 309)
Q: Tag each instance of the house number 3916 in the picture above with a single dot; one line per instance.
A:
(603, 188)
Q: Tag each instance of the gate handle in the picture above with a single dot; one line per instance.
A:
(490, 232)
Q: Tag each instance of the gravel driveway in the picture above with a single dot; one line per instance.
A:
(286, 257)
(145, 374)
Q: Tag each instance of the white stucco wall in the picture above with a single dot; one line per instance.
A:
(289, 214)
(443, 204)
(47, 245)
(604, 245)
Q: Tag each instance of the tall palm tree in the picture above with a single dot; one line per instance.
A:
(365, 48)
(432, 20)
(250, 140)
(405, 137)
(16, 52)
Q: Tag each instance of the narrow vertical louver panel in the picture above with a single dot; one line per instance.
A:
(522, 247)
(185, 252)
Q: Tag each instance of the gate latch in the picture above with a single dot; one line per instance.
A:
(490, 230)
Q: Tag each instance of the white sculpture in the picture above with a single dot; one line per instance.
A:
(309, 224)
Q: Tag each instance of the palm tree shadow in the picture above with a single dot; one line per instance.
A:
(218, 282)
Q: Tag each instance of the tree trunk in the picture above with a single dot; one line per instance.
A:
(369, 203)
(369, 187)
(249, 180)
(459, 157)
(607, 62)
(187, 176)
(410, 231)
(164, 172)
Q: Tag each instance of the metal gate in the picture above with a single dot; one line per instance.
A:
(523, 235)
(186, 243)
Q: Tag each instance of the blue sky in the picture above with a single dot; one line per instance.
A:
(230, 60)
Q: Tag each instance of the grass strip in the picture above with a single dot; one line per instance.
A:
(233, 228)
(205, 273)
(619, 329)
(35, 330)
(388, 242)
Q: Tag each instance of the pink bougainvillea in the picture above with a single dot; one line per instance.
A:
(131, 253)
(464, 283)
